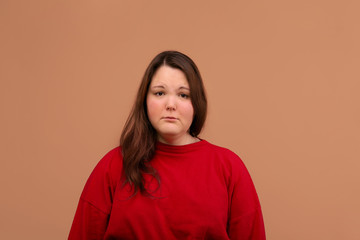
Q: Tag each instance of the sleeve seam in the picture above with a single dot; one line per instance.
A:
(247, 213)
(93, 205)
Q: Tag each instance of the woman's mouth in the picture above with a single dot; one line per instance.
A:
(170, 118)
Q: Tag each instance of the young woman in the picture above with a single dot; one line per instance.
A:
(164, 182)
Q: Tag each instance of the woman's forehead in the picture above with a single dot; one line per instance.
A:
(169, 77)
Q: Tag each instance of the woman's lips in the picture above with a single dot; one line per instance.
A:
(170, 118)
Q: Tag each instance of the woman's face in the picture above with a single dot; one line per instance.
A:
(169, 106)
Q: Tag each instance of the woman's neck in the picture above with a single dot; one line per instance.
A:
(184, 140)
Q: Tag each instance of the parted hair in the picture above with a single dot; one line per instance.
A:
(138, 138)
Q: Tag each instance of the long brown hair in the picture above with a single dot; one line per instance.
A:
(138, 138)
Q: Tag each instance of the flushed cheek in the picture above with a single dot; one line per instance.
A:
(153, 109)
(188, 112)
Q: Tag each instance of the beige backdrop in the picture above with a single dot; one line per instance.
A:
(283, 84)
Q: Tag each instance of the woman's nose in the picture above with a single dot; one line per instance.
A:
(170, 104)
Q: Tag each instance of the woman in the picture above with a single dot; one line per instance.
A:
(164, 182)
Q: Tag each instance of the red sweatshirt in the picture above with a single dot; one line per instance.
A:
(205, 193)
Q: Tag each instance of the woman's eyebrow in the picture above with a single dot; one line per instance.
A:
(183, 87)
(163, 87)
(158, 86)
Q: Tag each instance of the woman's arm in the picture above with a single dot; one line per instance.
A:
(89, 222)
(245, 216)
(93, 211)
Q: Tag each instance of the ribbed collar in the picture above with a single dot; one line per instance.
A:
(162, 147)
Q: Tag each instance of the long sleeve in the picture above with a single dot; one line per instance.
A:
(245, 219)
(93, 211)
(89, 222)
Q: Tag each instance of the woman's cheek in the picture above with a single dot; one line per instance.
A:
(153, 108)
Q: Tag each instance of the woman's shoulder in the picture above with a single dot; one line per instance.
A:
(226, 156)
(109, 166)
(103, 179)
(223, 151)
(231, 163)
(111, 158)
(112, 161)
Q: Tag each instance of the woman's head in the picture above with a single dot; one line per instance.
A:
(169, 107)
(177, 61)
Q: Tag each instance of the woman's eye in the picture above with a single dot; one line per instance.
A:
(183, 95)
(159, 93)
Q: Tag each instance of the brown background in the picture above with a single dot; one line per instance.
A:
(283, 84)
